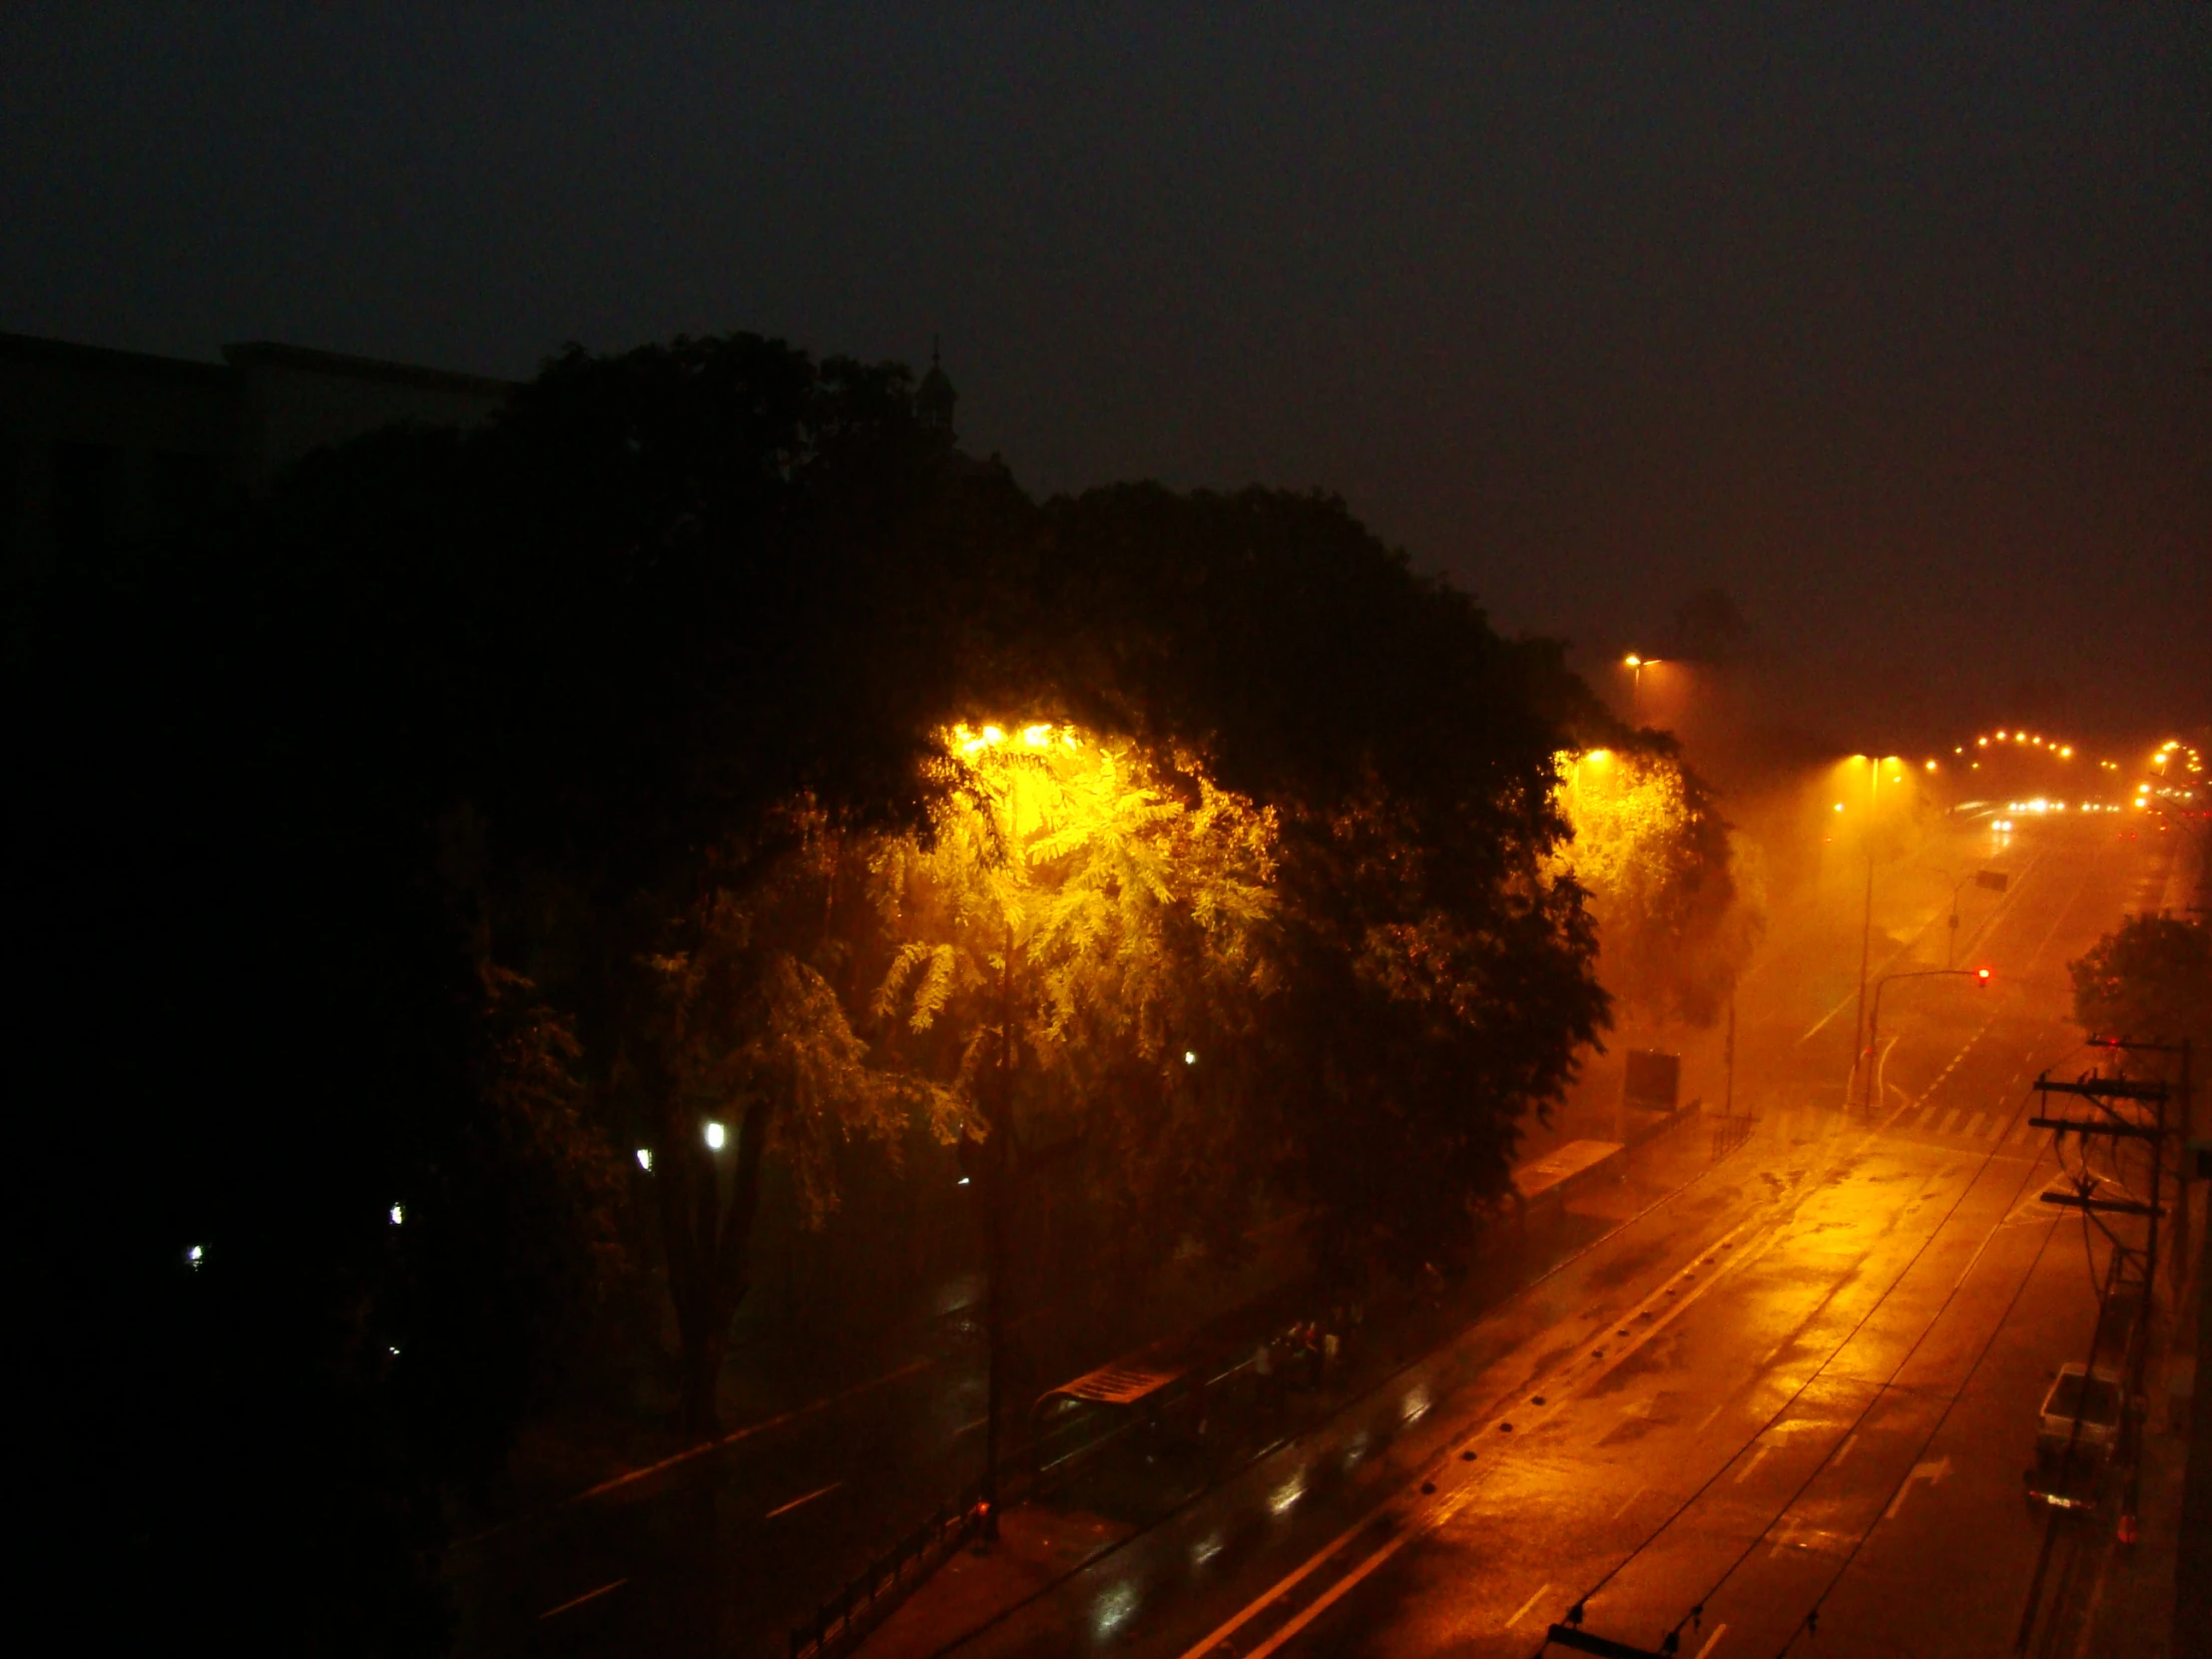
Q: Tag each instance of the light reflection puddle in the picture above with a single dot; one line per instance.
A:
(1113, 1609)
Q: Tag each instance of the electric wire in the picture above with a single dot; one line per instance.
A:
(1814, 1376)
(1882, 1390)
(1812, 1619)
(1576, 1612)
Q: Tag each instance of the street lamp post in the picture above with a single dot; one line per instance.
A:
(1636, 667)
(1874, 1034)
(1866, 921)
(996, 1198)
(1958, 886)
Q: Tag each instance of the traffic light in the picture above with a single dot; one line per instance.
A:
(1980, 976)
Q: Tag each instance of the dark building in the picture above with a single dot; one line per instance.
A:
(101, 447)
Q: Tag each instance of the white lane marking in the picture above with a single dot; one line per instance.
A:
(1629, 1499)
(1329, 1597)
(1950, 1117)
(1618, 1355)
(1759, 1456)
(1254, 1609)
(1972, 1131)
(588, 1595)
(1525, 1606)
(1713, 1641)
(731, 1439)
(1844, 1451)
(1933, 1473)
(1927, 1116)
(787, 1508)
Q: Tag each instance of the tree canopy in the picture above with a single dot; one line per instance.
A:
(399, 860)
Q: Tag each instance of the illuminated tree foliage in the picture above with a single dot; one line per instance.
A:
(1096, 909)
(1674, 926)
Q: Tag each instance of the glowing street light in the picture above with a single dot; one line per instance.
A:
(717, 1136)
(644, 1159)
(1636, 666)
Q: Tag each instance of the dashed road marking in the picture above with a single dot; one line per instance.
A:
(1759, 1456)
(588, 1595)
(1525, 1606)
(787, 1508)
(1713, 1641)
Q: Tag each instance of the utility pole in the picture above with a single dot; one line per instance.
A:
(2105, 1093)
(2193, 1555)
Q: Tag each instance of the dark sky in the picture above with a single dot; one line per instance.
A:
(1894, 326)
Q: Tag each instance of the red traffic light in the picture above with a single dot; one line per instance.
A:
(1981, 976)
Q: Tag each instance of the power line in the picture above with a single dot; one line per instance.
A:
(1814, 1376)
(1812, 1619)
(1888, 1383)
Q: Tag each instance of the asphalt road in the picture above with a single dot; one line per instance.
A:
(1807, 1381)
(720, 1553)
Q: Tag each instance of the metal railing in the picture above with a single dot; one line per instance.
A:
(870, 1594)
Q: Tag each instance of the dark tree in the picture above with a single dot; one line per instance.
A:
(1430, 985)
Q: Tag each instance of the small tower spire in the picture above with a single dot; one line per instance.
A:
(934, 398)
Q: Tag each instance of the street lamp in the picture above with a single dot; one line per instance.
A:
(1636, 666)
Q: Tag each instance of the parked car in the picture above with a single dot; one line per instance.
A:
(2074, 1436)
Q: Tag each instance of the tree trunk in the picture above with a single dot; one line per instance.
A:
(701, 1380)
(709, 1249)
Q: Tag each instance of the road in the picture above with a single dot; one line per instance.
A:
(1806, 1382)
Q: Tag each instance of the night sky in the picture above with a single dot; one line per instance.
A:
(1895, 326)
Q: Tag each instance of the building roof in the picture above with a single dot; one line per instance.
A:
(63, 353)
(254, 353)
